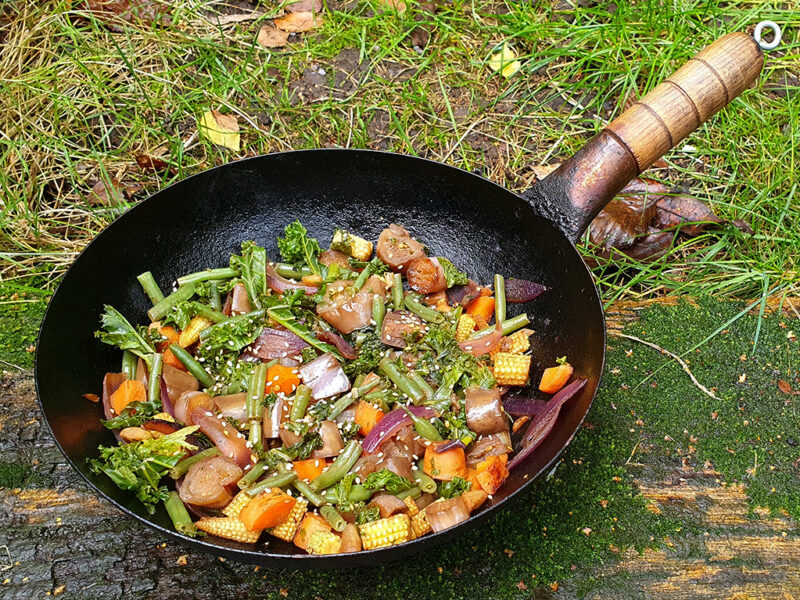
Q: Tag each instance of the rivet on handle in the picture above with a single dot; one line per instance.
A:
(776, 32)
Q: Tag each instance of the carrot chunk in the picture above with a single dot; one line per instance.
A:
(367, 416)
(309, 469)
(268, 509)
(482, 307)
(554, 378)
(128, 391)
(282, 379)
(445, 465)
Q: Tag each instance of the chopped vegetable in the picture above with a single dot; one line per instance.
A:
(282, 380)
(555, 378)
(286, 530)
(230, 528)
(128, 391)
(351, 245)
(385, 532)
(445, 466)
(297, 247)
(452, 274)
(511, 369)
(268, 509)
(310, 524)
(367, 416)
(309, 469)
(482, 306)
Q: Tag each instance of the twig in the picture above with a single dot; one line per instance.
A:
(679, 360)
(5, 362)
(627, 462)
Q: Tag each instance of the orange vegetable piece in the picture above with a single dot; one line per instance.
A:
(555, 378)
(472, 478)
(172, 336)
(367, 416)
(445, 465)
(311, 522)
(492, 473)
(482, 306)
(268, 509)
(474, 498)
(282, 379)
(129, 391)
(309, 469)
(519, 423)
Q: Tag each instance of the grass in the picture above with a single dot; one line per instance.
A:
(78, 103)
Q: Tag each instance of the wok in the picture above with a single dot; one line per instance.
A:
(484, 228)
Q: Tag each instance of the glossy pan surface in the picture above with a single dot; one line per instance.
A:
(199, 222)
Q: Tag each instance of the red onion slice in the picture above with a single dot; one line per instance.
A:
(230, 442)
(463, 294)
(325, 377)
(111, 382)
(341, 344)
(449, 444)
(280, 284)
(542, 423)
(522, 290)
(166, 401)
(443, 515)
(391, 424)
(276, 343)
(484, 344)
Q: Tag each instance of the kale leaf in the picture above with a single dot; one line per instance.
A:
(180, 315)
(133, 415)
(117, 331)
(385, 479)
(297, 248)
(367, 514)
(368, 355)
(454, 487)
(139, 466)
(303, 449)
(452, 274)
(252, 265)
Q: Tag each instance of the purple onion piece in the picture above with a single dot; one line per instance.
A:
(522, 290)
(166, 401)
(393, 422)
(448, 445)
(462, 294)
(276, 343)
(543, 422)
(521, 406)
(325, 377)
(341, 344)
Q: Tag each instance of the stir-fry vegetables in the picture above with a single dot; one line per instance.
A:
(328, 398)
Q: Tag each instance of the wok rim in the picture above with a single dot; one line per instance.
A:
(335, 561)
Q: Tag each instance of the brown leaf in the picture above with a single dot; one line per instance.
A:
(116, 13)
(785, 386)
(298, 22)
(674, 210)
(304, 6)
(621, 223)
(151, 163)
(270, 36)
(397, 5)
(106, 192)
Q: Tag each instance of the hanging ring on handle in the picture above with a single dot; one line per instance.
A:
(776, 31)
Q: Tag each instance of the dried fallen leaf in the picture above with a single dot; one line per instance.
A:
(270, 36)
(303, 6)
(397, 5)
(219, 129)
(106, 192)
(784, 386)
(115, 14)
(151, 163)
(505, 61)
(542, 171)
(298, 22)
(521, 585)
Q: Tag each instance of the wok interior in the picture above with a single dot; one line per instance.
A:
(200, 221)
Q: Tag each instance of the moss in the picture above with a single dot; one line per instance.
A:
(21, 312)
(14, 475)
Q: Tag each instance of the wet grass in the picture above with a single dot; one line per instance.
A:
(79, 103)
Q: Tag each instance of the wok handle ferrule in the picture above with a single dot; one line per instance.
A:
(647, 130)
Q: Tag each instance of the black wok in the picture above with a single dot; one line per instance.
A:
(485, 229)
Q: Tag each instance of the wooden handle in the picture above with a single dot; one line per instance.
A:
(697, 91)
(574, 193)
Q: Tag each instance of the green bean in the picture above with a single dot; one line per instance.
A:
(420, 382)
(301, 486)
(179, 515)
(161, 309)
(255, 392)
(378, 397)
(358, 380)
(397, 292)
(214, 298)
(425, 483)
(254, 433)
(209, 313)
(252, 475)
(150, 287)
(290, 272)
(509, 326)
(179, 470)
(359, 493)
(362, 278)
(276, 481)
(256, 314)
(207, 275)
(378, 311)
(154, 381)
(414, 492)
(499, 299)
(301, 399)
(332, 516)
(194, 367)
(403, 383)
(129, 364)
(345, 401)
(424, 427)
(333, 272)
(343, 463)
(426, 313)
